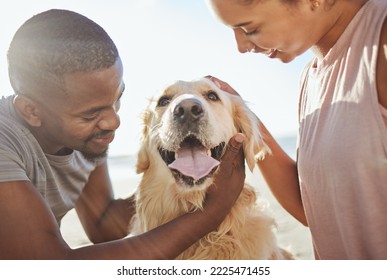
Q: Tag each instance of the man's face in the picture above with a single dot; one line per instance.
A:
(85, 118)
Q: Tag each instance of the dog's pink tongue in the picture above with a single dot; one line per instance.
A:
(194, 162)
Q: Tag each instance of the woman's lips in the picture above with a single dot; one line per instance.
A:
(272, 53)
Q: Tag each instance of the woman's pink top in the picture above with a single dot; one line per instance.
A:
(342, 145)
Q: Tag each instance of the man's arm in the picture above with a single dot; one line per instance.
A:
(103, 217)
(28, 229)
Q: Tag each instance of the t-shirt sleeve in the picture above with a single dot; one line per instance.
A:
(11, 166)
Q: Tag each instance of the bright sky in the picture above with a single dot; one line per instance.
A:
(163, 41)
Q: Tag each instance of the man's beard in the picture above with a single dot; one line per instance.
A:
(92, 157)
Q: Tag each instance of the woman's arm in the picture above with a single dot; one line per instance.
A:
(280, 173)
(278, 169)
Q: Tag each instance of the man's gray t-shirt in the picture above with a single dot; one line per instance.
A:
(59, 179)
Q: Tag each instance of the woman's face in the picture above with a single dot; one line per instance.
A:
(276, 29)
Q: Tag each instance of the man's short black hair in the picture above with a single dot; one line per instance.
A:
(56, 42)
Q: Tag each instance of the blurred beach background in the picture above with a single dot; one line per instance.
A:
(161, 41)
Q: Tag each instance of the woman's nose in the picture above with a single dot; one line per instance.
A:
(243, 42)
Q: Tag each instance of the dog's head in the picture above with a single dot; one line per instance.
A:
(187, 129)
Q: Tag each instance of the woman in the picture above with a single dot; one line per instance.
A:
(338, 186)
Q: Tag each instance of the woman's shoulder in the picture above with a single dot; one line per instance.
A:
(381, 69)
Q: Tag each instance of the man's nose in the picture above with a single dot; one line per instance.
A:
(110, 121)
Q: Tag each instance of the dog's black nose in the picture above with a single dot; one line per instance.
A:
(188, 110)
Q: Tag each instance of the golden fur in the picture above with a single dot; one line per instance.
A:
(247, 231)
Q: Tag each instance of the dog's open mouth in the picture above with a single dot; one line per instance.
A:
(192, 163)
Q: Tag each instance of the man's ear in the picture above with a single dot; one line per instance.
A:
(28, 110)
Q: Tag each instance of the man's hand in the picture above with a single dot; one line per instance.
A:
(229, 179)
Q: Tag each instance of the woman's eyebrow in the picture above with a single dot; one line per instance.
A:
(241, 24)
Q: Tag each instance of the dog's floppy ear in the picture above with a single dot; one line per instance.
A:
(248, 123)
(143, 156)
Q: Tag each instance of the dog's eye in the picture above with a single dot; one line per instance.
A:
(211, 95)
(163, 101)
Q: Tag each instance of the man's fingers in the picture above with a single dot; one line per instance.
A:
(233, 148)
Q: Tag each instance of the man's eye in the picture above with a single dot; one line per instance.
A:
(211, 95)
(89, 119)
(163, 101)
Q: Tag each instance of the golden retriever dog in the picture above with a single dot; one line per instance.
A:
(184, 136)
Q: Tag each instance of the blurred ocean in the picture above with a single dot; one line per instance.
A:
(288, 143)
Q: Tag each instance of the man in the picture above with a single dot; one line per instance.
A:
(54, 135)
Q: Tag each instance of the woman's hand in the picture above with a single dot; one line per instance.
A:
(222, 85)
